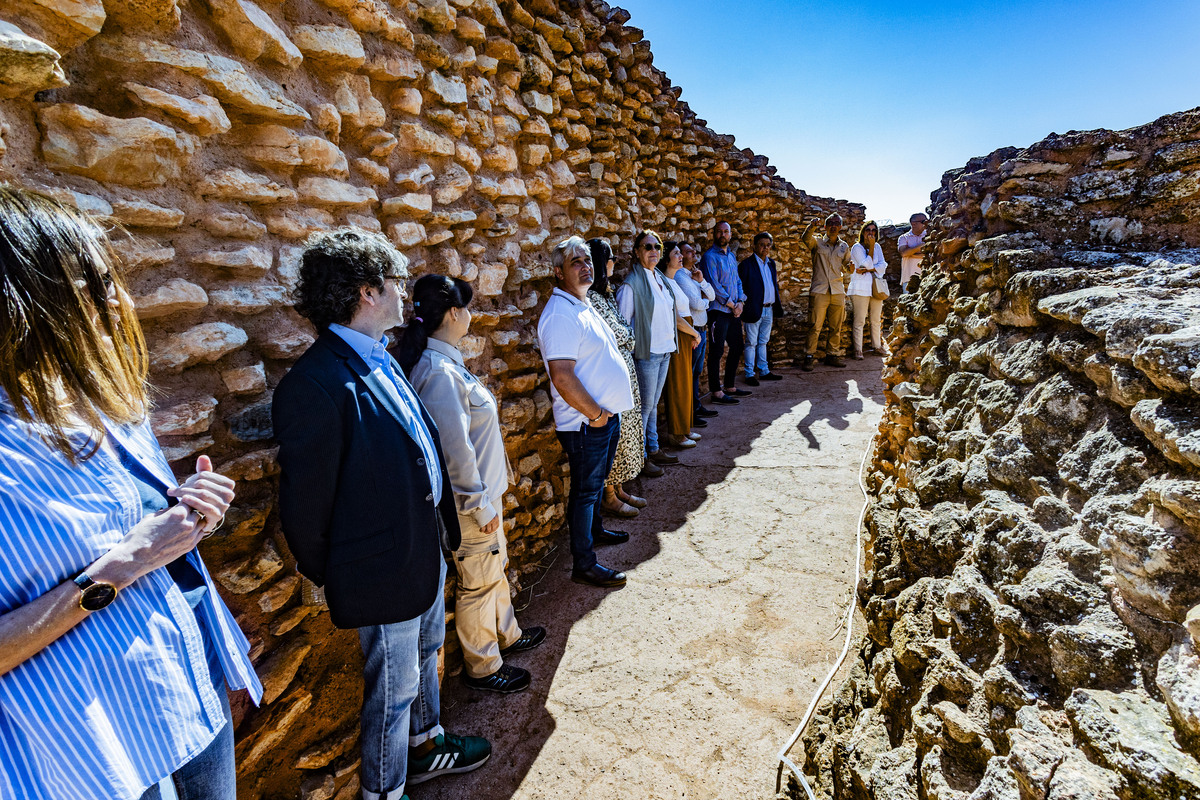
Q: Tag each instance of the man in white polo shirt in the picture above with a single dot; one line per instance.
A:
(912, 249)
(590, 387)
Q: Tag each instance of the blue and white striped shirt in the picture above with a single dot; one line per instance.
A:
(124, 698)
(722, 272)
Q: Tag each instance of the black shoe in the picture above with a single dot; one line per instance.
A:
(610, 537)
(737, 392)
(701, 411)
(698, 422)
(506, 680)
(751, 381)
(661, 458)
(599, 575)
(652, 470)
(770, 376)
(724, 401)
(529, 639)
(834, 361)
(807, 366)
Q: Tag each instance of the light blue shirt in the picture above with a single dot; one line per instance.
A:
(375, 355)
(721, 270)
(125, 697)
(768, 284)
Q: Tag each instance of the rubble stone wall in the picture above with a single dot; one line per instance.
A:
(218, 134)
(1031, 589)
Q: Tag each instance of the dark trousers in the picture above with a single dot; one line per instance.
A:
(590, 453)
(698, 365)
(726, 329)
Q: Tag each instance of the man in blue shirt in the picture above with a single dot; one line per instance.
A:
(365, 504)
(719, 265)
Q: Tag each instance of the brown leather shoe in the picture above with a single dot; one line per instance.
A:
(652, 470)
(663, 459)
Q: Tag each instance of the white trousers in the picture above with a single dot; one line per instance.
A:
(864, 307)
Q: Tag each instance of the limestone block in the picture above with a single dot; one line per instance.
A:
(1169, 359)
(27, 66)
(501, 158)
(407, 100)
(437, 14)
(1178, 678)
(322, 155)
(245, 380)
(236, 184)
(531, 215)
(451, 185)
(274, 731)
(278, 671)
(450, 91)
(172, 297)
(249, 262)
(542, 103)
(513, 187)
(406, 234)
(1173, 429)
(285, 340)
(248, 299)
(470, 31)
(138, 254)
(337, 194)
(140, 214)
(379, 144)
(367, 223)
(414, 204)
(186, 448)
(372, 171)
(201, 344)
(227, 78)
(1192, 623)
(62, 24)
(394, 67)
(534, 155)
(328, 119)
(184, 419)
(331, 44)
(452, 122)
(245, 576)
(270, 145)
(468, 156)
(88, 203)
(139, 14)
(299, 223)
(560, 174)
(133, 152)
(491, 279)
(233, 225)
(253, 33)
(415, 178)
(417, 139)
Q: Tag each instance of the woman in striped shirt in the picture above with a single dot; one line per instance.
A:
(115, 649)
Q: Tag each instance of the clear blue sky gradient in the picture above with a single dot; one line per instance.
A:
(873, 100)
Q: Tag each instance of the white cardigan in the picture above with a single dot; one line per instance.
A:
(861, 283)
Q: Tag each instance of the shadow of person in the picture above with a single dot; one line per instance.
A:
(836, 402)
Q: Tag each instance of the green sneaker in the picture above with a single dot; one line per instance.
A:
(450, 754)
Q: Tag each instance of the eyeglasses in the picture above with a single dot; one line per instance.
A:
(649, 247)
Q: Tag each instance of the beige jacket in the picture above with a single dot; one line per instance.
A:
(831, 264)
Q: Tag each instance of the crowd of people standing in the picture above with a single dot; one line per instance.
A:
(116, 650)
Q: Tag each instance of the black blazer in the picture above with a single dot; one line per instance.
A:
(752, 285)
(355, 499)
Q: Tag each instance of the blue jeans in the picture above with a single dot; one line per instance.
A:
(698, 364)
(401, 703)
(590, 452)
(652, 377)
(757, 334)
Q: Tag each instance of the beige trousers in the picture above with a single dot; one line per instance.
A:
(864, 306)
(819, 306)
(483, 612)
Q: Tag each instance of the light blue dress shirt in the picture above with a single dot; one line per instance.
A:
(125, 697)
(722, 272)
(375, 355)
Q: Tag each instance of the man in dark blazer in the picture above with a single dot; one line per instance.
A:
(761, 285)
(366, 505)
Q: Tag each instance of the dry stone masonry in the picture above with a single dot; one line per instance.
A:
(218, 134)
(1031, 593)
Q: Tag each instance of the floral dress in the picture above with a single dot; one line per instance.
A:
(631, 445)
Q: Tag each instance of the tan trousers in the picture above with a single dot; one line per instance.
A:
(820, 305)
(864, 306)
(483, 612)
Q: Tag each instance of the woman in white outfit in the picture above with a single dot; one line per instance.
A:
(869, 264)
(469, 426)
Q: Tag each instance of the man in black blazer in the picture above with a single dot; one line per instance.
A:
(761, 285)
(366, 505)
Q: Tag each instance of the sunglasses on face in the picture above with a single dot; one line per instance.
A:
(649, 247)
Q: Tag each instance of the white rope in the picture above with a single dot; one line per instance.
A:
(812, 706)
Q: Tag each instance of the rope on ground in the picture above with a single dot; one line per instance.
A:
(784, 760)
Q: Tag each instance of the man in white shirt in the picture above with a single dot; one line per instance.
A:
(590, 388)
(912, 249)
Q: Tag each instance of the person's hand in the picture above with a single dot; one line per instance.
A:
(695, 341)
(737, 310)
(492, 525)
(602, 420)
(206, 492)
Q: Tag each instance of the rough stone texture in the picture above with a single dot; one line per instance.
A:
(221, 133)
(1035, 527)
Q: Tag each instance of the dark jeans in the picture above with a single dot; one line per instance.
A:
(726, 329)
(698, 365)
(590, 452)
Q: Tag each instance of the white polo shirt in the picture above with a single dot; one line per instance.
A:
(910, 265)
(570, 329)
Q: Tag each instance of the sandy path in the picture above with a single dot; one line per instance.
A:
(685, 683)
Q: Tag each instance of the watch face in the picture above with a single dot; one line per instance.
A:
(97, 596)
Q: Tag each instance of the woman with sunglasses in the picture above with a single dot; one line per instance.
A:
(648, 304)
(869, 264)
(115, 648)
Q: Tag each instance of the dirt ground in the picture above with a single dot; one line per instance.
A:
(685, 683)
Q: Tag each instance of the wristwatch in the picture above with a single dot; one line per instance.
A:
(93, 595)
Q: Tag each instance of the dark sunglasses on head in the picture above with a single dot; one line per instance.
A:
(649, 247)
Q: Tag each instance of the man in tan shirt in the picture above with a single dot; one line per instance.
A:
(827, 293)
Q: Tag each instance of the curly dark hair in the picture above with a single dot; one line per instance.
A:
(336, 265)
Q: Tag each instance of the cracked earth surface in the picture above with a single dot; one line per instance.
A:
(686, 683)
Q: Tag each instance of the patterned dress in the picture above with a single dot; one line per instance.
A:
(631, 445)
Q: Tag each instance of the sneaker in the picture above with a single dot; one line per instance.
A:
(751, 381)
(450, 754)
(695, 437)
(807, 366)
(529, 639)
(506, 680)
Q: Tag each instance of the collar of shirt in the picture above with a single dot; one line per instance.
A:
(569, 297)
(445, 348)
(374, 353)
(761, 263)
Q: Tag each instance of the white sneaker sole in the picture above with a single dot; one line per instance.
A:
(434, 773)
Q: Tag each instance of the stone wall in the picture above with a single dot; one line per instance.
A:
(1030, 587)
(217, 134)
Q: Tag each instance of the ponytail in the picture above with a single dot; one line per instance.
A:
(433, 297)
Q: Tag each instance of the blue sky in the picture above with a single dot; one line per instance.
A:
(873, 100)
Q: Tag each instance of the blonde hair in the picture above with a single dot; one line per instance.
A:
(65, 354)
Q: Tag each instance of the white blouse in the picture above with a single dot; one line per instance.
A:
(861, 282)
